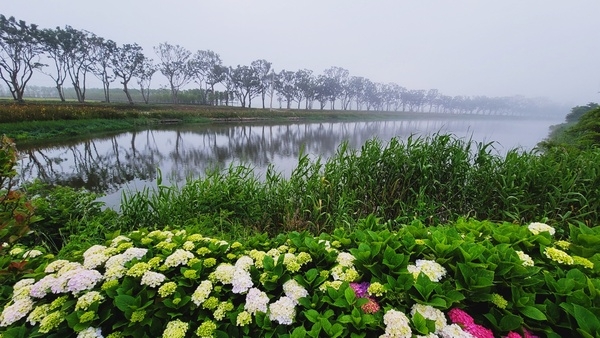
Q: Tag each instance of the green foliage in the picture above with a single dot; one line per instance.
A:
(435, 179)
(342, 284)
(67, 215)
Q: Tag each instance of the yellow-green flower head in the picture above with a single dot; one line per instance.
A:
(211, 303)
(167, 246)
(376, 289)
(563, 244)
(58, 303)
(336, 244)
(154, 262)
(188, 245)
(231, 256)
(38, 313)
(222, 309)
(236, 245)
(303, 258)
(537, 227)
(138, 269)
(283, 249)
(87, 299)
(109, 284)
(499, 301)
(124, 246)
(203, 251)
(193, 261)
(167, 289)
(324, 273)
(559, 256)
(194, 238)
(209, 262)
(206, 329)
(190, 274)
(146, 241)
(51, 321)
(586, 263)
(115, 335)
(87, 317)
(419, 241)
(175, 329)
(258, 257)
(243, 318)
(137, 316)
(331, 284)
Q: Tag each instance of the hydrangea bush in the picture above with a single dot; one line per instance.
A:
(467, 279)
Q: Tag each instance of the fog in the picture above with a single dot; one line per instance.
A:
(538, 48)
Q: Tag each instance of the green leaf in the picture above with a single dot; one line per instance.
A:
(125, 303)
(349, 295)
(510, 322)
(587, 320)
(299, 332)
(311, 315)
(533, 313)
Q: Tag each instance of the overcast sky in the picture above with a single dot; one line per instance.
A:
(535, 48)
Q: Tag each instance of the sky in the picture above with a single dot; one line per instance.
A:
(534, 48)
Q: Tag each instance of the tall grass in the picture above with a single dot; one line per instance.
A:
(433, 179)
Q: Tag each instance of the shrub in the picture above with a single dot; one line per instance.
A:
(484, 277)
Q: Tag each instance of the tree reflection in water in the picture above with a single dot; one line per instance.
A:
(109, 164)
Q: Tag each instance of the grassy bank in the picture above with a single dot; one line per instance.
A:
(36, 121)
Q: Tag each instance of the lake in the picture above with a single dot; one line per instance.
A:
(129, 161)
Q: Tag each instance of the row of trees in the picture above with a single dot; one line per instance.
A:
(73, 54)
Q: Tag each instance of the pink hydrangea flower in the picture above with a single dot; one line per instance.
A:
(458, 316)
(479, 331)
(512, 334)
(371, 307)
(528, 334)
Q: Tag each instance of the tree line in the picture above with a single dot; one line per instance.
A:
(70, 54)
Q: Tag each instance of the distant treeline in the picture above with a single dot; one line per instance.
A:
(70, 56)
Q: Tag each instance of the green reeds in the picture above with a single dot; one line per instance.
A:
(433, 179)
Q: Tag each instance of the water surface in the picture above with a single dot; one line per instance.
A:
(131, 160)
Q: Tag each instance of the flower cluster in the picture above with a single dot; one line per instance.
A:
(397, 325)
(537, 227)
(467, 323)
(431, 269)
(559, 256)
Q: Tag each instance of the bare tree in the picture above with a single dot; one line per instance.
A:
(19, 54)
(175, 65)
(78, 55)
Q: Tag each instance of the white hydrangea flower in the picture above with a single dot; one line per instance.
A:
(282, 311)
(32, 253)
(179, 257)
(454, 331)
(241, 281)
(224, 273)
(83, 280)
(294, 291)
(430, 268)
(87, 299)
(525, 258)
(345, 259)
(90, 332)
(202, 292)
(15, 311)
(537, 227)
(431, 313)
(55, 266)
(397, 325)
(256, 301)
(244, 263)
(117, 240)
(41, 288)
(152, 279)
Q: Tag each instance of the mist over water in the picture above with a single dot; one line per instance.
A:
(132, 160)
